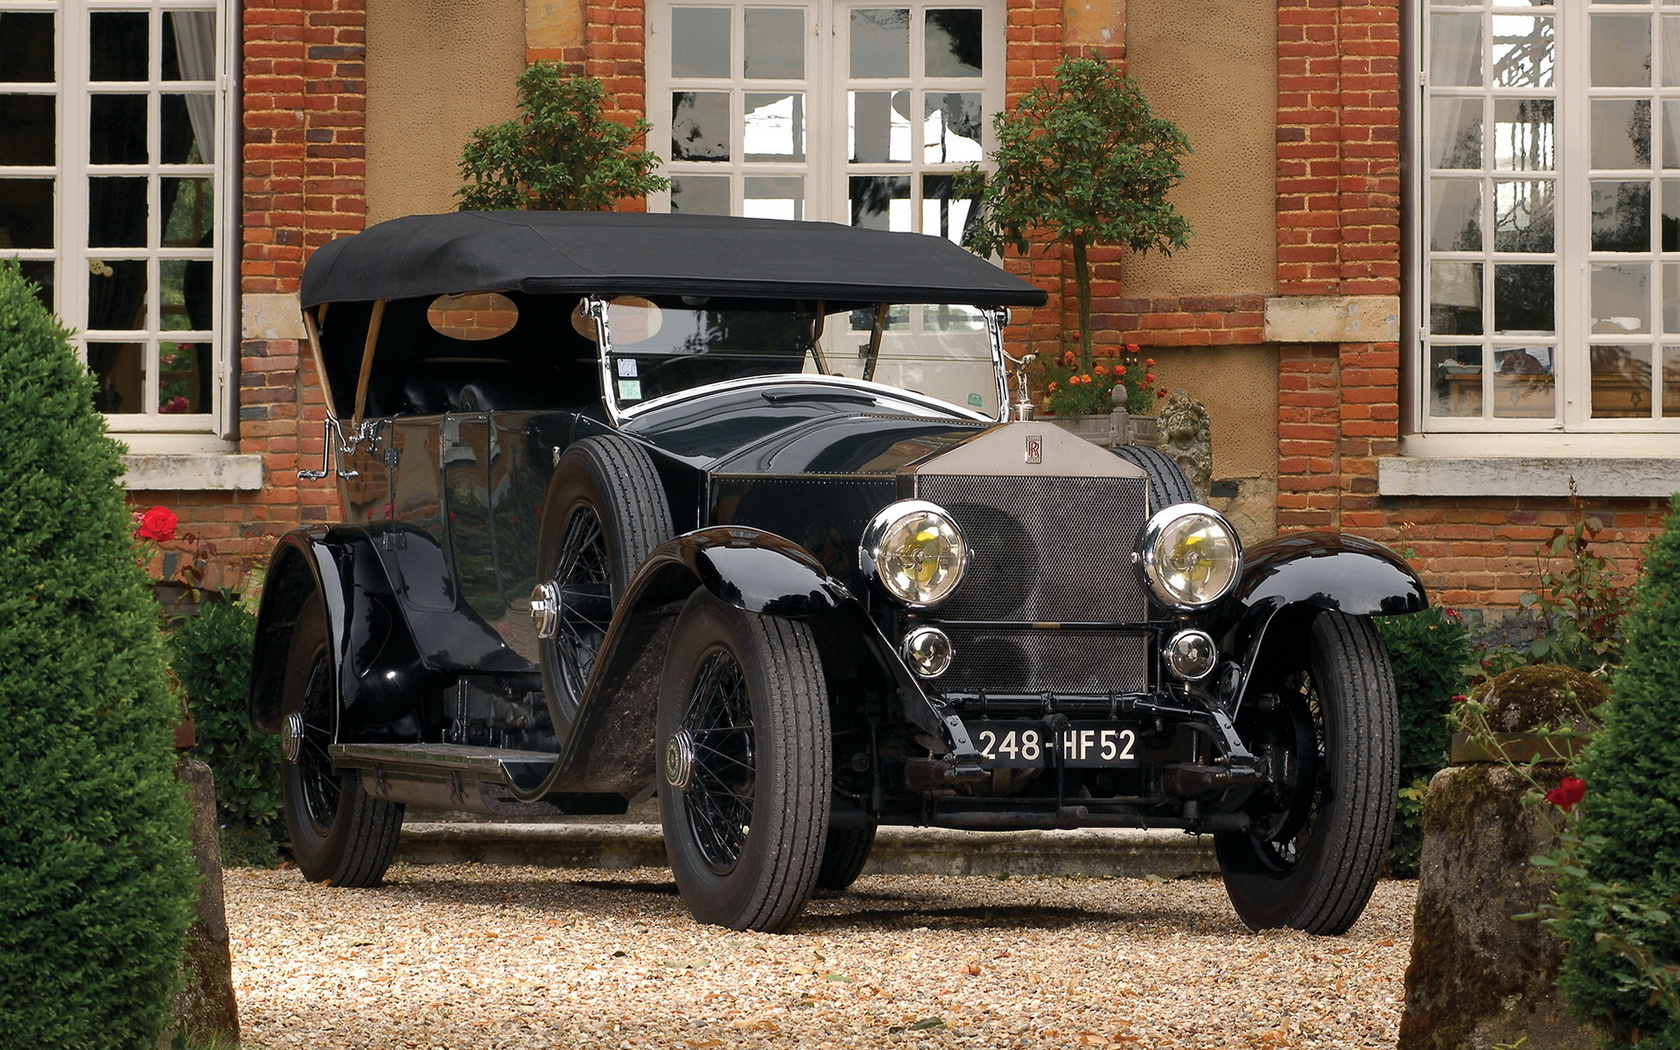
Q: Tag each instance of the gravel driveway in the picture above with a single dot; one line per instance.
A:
(477, 956)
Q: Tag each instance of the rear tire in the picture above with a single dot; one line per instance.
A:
(743, 746)
(845, 853)
(1313, 857)
(341, 835)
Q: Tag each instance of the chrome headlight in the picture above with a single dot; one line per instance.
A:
(1190, 555)
(914, 550)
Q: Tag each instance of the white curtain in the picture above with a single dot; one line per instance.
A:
(195, 50)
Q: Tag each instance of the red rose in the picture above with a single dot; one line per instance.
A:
(1568, 794)
(157, 525)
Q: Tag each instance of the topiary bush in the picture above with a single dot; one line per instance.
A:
(211, 656)
(1618, 893)
(1430, 651)
(96, 877)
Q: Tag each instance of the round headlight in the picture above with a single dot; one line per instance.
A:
(1191, 556)
(914, 550)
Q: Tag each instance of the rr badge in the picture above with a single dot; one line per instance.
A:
(1035, 448)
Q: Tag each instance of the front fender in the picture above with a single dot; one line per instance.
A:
(610, 745)
(367, 631)
(1310, 572)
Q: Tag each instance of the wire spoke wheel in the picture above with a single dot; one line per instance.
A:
(744, 745)
(1325, 723)
(583, 583)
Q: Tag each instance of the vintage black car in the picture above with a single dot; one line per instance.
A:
(743, 514)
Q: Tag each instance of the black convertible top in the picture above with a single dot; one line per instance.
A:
(652, 254)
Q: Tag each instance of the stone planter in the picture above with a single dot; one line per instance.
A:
(1113, 428)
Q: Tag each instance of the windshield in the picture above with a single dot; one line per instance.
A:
(663, 346)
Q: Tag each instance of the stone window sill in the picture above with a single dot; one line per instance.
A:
(192, 472)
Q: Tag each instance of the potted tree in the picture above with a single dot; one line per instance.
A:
(1082, 160)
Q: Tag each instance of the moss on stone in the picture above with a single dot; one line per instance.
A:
(1540, 696)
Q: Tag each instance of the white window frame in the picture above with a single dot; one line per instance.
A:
(1572, 431)
(826, 167)
(149, 431)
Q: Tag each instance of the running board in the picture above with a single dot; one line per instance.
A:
(521, 770)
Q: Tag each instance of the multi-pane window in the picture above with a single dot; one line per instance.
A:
(1550, 221)
(849, 112)
(112, 157)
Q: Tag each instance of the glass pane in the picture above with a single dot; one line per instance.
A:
(117, 213)
(1671, 298)
(1671, 381)
(117, 294)
(1621, 50)
(879, 128)
(1671, 134)
(26, 47)
(1523, 217)
(27, 132)
(774, 197)
(119, 371)
(1455, 215)
(1524, 383)
(117, 45)
(1455, 380)
(117, 134)
(699, 125)
(1523, 138)
(1621, 216)
(186, 298)
(1523, 298)
(26, 213)
(184, 377)
(1455, 133)
(943, 214)
(39, 272)
(881, 42)
(189, 45)
(1621, 298)
(1621, 133)
(188, 124)
(700, 42)
(1670, 50)
(189, 213)
(951, 127)
(881, 202)
(1455, 298)
(1621, 382)
(951, 43)
(1455, 50)
(775, 126)
(775, 43)
(1523, 52)
(700, 194)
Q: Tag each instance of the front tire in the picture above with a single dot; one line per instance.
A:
(341, 835)
(1329, 712)
(744, 746)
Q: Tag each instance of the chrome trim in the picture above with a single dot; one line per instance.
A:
(749, 382)
(1172, 653)
(869, 545)
(545, 610)
(679, 760)
(996, 318)
(907, 646)
(1151, 536)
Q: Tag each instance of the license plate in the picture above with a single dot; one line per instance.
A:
(1029, 745)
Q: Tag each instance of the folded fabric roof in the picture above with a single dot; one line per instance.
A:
(652, 254)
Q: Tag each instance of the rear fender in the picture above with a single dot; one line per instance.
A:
(610, 746)
(1289, 580)
(380, 671)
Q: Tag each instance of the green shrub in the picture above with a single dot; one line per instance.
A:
(1619, 877)
(1430, 651)
(211, 657)
(96, 878)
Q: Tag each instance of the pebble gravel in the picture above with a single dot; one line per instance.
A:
(454, 957)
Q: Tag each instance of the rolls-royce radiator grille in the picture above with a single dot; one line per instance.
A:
(1045, 550)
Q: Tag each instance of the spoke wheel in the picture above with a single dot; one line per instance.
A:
(340, 834)
(1327, 719)
(605, 513)
(744, 752)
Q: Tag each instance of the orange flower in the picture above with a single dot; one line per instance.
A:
(1131, 348)
(1067, 358)
(1149, 377)
(1120, 370)
(1101, 370)
(1052, 387)
(1160, 393)
(1150, 362)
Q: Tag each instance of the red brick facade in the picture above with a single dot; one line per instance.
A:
(1339, 87)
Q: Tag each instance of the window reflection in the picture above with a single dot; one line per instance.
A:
(185, 378)
(1621, 133)
(1456, 380)
(943, 213)
(951, 127)
(775, 43)
(700, 194)
(700, 42)
(951, 42)
(1671, 381)
(1455, 50)
(119, 373)
(700, 125)
(880, 42)
(1621, 50)
(1522, 51)
(774, 128)
(879, 128)
(774, 197)
(1621, 298)
(880, 202)
(1455, 298)
(1456, 132)
(1455, 221)
(1621, 216)
(1524, 298)
(1523, 384)
(1523, 134)
(1523, 219)
(1621, 382)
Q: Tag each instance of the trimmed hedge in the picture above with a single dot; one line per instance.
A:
(1430, 651)
(1619, 901)
(96, 877)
